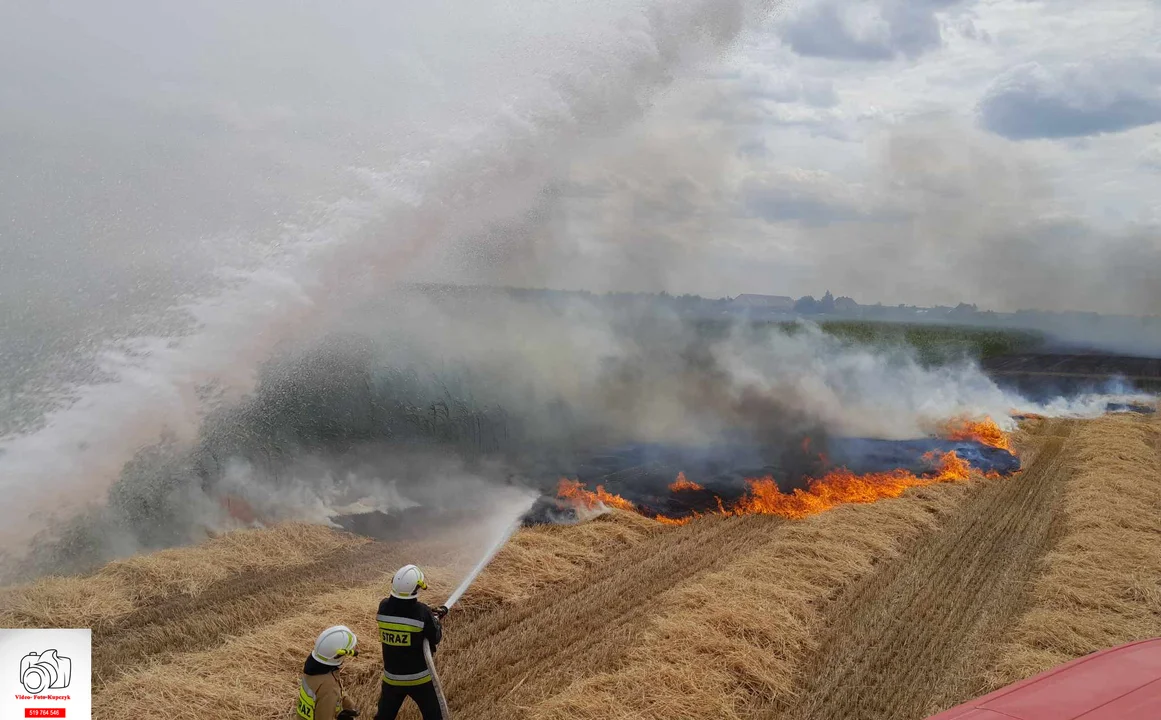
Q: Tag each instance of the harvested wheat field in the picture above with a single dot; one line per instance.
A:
(892, 609)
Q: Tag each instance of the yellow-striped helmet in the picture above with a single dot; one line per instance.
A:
(334, 645)
(407, 582)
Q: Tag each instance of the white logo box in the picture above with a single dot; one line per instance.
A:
(46, 673)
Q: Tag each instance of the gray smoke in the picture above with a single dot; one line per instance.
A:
(946, 214)
(978, 214)
(211, 180)
(442, 402)
(230, 196)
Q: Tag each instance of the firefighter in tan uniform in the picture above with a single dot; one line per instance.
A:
(320, 691)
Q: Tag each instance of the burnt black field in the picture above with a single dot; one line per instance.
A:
(642, 473)
(1045, 375)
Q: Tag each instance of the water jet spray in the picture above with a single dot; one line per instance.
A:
(463, 586)
(458, 593)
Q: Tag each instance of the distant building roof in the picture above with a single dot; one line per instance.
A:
(777, 302)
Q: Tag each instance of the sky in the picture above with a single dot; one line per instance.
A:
(1001, 152)
(1076, 84)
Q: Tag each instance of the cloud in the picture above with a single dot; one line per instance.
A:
(1151, 158)
(767, 92)
(786, 88)
(879, 30)
(1100, 95)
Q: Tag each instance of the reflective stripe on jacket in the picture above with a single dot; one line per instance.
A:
(418, 678)
(403, 626)
(312, 689)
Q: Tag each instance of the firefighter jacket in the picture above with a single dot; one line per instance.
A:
(320, 692)
(403, 625)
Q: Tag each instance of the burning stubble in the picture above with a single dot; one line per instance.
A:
(425, 402)
(797, 497)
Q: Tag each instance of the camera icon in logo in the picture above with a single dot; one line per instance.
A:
(45, 671)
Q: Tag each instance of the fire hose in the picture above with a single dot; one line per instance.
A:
(444, 713)
(442, 611)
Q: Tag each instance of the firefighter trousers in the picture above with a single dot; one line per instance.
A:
(392, 697)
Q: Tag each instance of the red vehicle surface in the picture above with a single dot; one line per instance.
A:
(1121, 683)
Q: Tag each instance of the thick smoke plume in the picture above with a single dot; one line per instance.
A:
(692, 199)
(332, 150)
(236, 194)
(982, 207)
(979, 218)
(437, 404)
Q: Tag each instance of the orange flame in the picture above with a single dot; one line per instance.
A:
(575, 492)
(985, 431)
(840, 487)
(682, 484)
(764, 497)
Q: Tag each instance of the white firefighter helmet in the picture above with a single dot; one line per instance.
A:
(334, 645)
(407, 582)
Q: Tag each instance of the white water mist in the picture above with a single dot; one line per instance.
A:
(211, 179)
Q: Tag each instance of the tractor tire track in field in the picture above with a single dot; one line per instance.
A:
(917, 636)
(606, 608)
(604, 611)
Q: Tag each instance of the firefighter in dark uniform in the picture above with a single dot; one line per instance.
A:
(404, 623)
